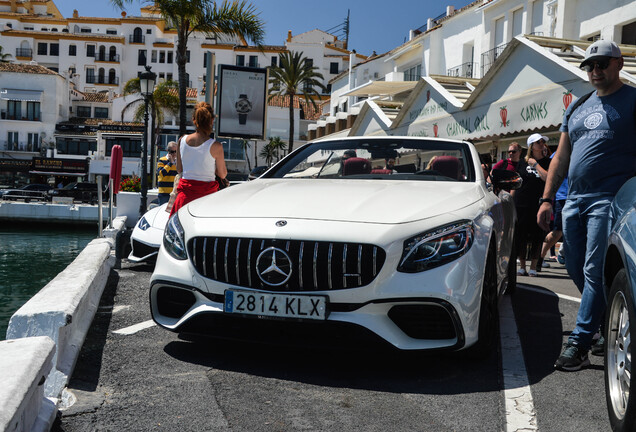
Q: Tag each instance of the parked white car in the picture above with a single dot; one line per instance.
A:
(416, 256)
(147, 235)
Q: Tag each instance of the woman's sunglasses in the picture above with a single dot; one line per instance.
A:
(601, 63)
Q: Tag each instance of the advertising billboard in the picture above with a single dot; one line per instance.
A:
(242, 101)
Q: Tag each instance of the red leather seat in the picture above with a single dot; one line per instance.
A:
(448, 166)
(356, 165)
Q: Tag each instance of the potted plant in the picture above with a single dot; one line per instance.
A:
(129, 199)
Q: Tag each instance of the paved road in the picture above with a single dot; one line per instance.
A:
(152, 379)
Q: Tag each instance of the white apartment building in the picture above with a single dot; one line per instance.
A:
(96, 56)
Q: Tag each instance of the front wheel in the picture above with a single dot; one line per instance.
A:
(618, 355)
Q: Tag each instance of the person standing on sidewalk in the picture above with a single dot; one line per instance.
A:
(597, 151)
(166, 170)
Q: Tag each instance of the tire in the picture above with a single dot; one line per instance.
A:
(488, 311)
(619, 323)
(511, 286)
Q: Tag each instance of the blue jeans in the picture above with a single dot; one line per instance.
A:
(163, 198)
(586, 226)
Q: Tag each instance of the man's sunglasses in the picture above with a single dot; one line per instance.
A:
(513, 151)
(601, 63)
(172, 151)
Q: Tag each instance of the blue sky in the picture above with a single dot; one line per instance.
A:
(375, 25)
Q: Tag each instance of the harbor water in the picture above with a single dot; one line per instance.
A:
(30, 257)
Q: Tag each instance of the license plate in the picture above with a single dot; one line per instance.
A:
(275, 305)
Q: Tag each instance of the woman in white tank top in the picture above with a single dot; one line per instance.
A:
(199, 160)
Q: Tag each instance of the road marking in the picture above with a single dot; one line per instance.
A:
(520, 412)
(135, 328)
(548, 292)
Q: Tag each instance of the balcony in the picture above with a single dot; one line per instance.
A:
(6, 116)
(465, 70)
(24, 52)
(489, 57)
(15, 146)
(107, 80)
(113, 58)
(136, 39)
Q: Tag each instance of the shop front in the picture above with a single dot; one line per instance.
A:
(58, 172)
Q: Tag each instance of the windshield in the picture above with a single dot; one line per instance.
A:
(384, 159)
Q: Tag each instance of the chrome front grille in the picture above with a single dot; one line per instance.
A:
(314, 265)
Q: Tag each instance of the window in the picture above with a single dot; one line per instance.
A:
(33, 111)
(90, 50)
(628, 34)
(309, 62)
(54, 29)
(14, 109)
(33, 142)
(72, 50)
(169, 77)
(101, 112)
(130, 147)
(25, 27)
(83, 111)
(333, 68)
(253, 61)
(42, 48)
(13, 140)
(90, 76)
(85, 30)
(274, 61)
(413, 74)
(240, 60)
(54, 49)
(111, 32)
(162, 76)
(187, 56)
(148, 31)
(153, 56)
(75, 146)
(141, 58)
(233, 149)
(162, 56)
(170, 56)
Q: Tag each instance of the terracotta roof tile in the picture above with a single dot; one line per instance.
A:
(311, 113)
(96, 97)
(26, 68)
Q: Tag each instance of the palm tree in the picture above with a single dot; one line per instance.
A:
(235, 18)
(164, 98)
(268, 153)
(296, 76)
(277, 144)
(245, 144)
(4, 57)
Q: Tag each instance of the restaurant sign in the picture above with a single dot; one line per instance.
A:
(60, 165)
(523, 112)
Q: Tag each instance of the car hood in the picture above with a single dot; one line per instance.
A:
(366, 201)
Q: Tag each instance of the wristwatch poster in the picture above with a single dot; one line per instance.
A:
(243, 106)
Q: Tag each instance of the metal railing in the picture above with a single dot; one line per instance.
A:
(136, 39)
(466, 70)
(107, 58)
(23, 52)
(489, 57)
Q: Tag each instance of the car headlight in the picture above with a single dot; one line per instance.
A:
(173, 239)
(143, 224)
(436, 247)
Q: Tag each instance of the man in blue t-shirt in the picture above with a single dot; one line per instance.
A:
(597, 151)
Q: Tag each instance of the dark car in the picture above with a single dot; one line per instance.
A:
(79, 191)
(257, 172)
(33, 191)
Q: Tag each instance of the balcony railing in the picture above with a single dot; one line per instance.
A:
(23, 52)
(489, 57)
(15, 146)
(107, 80)
(6, 116)
(465, 70)
(136, 39)
(107, 58)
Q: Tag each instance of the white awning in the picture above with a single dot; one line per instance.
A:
(21, 95)
(382, 88)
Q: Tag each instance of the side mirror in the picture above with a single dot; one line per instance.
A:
(506, 179)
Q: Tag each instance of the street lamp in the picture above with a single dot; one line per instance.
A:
(147, 85)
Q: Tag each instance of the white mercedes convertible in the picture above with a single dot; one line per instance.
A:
(399, 241)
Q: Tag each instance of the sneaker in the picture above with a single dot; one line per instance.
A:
(598, 349)
(545, 265)
(532, 273)
(522, 272)
(560, 257)
(572, 358)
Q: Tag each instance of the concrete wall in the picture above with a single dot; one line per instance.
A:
(46, 334)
